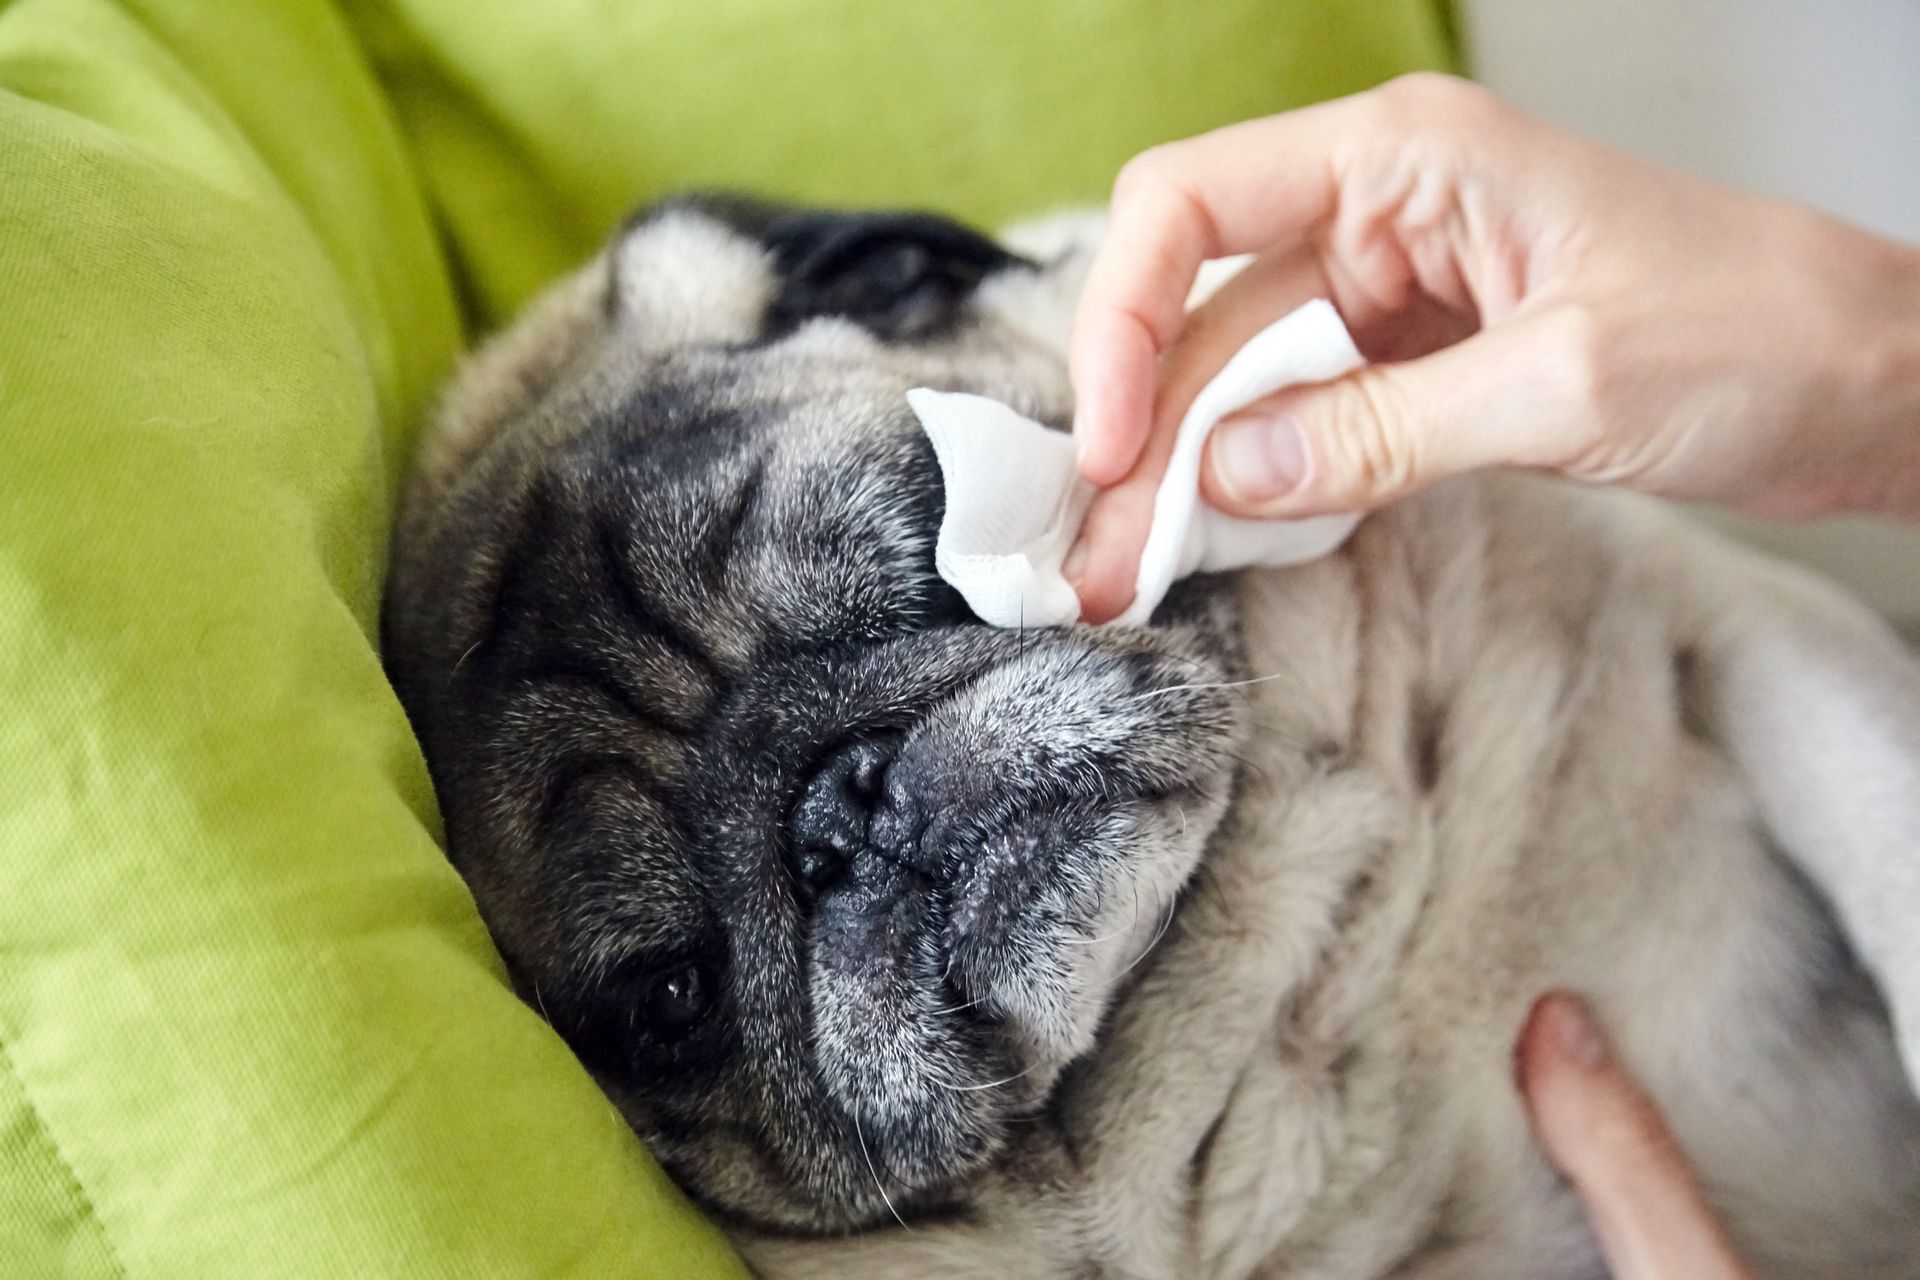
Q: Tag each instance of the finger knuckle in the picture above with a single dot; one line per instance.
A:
(1576, 358)
(1578, 347)
(1369, 441)
(1424, 99)
(1155, 192)
(1148, 174)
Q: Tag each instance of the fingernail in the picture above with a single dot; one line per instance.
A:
(1257, 458)
(1075, 564)
(1573, 1030)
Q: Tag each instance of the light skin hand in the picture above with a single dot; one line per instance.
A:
(1528, 299)
(1643, 1199)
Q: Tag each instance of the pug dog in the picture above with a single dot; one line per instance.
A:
(915, 947)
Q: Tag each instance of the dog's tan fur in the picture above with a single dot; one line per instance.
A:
(1314, 1081)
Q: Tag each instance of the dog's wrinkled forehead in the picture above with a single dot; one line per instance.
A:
(740, 300)
(718, 338)
(706, 428)
(763, 449)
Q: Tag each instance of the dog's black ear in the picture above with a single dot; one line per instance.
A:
(899, 275)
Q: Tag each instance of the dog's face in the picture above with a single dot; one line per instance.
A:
(825, 880)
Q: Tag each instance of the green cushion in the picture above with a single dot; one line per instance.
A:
(539, 125)
(250, 1024)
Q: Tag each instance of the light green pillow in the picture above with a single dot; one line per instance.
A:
(250, 1024)
(538, 125)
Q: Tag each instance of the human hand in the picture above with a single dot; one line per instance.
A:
(1530, 299)
(1646, 1206)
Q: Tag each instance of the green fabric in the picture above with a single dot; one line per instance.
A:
(250, 1024)
(539, 125)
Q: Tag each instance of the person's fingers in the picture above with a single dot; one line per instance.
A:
(1105, 560)
(1245, 188)
(1345, 445)
(1647, 1208)
(1514, 394)
(1113, 389)
(1174, 207)
(1267, 288)
(1104, 563)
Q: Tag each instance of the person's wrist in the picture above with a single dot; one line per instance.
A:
(1889, 378)
(1903, 361)
(1847, 371)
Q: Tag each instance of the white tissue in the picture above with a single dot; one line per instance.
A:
(1015, 498)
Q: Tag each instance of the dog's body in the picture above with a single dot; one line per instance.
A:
(1486, 766)
(1197, 950)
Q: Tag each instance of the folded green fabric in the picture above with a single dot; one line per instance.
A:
(538, 126)
(250, 1024)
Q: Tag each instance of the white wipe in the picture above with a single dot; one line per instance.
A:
(1015, 498)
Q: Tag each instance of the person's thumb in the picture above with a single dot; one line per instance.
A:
(1385, 430)
(1608, 1137)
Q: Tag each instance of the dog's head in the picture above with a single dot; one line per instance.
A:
(824, 880)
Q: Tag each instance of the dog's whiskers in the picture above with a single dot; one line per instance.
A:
(990, 1084)
(1205, 685)
(943, 1011)
(1105, 937)
(1248, 762)
(1166, 924)
(462, 660)
(874, 1173)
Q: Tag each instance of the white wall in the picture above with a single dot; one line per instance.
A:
(1814, 99)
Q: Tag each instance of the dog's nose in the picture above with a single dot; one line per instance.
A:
(830, 823)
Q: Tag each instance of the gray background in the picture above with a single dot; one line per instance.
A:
(1814, 99)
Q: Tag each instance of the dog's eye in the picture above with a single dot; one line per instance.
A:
(679, 996)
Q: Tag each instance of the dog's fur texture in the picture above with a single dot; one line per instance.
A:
(1197, 949)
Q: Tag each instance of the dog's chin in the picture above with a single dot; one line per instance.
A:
(892, 1140)
(926, 1070)
(944, 1015)
(920, 1073)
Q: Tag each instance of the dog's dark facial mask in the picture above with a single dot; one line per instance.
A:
(824, 880)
